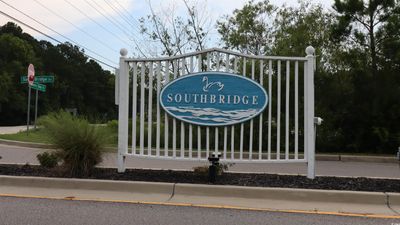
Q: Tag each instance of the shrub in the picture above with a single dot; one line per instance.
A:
(48, 160)
(79, 145)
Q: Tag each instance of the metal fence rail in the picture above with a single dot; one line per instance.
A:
(284, 132)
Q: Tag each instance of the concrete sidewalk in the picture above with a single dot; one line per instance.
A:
(13, 129)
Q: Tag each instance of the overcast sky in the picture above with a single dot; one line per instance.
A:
(103, 27)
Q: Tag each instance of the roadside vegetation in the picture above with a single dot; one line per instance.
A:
(79, 146)
(356, 80)
(34, 136)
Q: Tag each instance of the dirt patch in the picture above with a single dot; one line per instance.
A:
(239, 179)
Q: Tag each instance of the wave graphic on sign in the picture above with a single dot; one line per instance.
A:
(211, 115)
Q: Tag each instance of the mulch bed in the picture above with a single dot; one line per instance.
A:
(240, 179)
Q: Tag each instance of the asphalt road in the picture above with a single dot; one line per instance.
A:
(23, 155)
(17, 211)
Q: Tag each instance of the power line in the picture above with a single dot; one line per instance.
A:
(69, 39)
(125, 10)
(128, 15)
(112, 20)
(83, 31)
(116, 23)
(50, 37)
(119, 14)
(94, 21)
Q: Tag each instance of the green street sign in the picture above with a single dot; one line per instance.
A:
(39, 87)
(38, 79)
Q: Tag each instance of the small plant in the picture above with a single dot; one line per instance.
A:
(79, 145)
(47, 160)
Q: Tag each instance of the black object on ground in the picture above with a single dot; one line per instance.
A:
(212, 169)
(240, 179)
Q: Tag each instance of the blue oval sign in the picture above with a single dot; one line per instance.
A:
(213, 98)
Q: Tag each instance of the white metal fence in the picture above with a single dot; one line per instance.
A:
(284, 132)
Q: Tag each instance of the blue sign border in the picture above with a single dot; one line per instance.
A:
(261, 110)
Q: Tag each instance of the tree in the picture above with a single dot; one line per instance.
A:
(176, 34)
(363, 23)
(79, 83)
(249, 29)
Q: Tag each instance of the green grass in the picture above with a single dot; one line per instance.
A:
(39, 136)
(35, 136)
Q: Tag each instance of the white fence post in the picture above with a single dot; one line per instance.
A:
(123, 110)
(309, 127)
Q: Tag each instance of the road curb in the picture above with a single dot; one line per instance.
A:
(221, 191)
(282, 194)
(87, 184)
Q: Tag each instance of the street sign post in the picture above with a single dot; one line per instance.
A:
(35, 82)
(30, 78)
(31, 74)
(39, 79)
(39, 87)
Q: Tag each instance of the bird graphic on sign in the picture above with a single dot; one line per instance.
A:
(208, 85)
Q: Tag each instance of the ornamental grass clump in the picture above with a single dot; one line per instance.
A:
(79, 144)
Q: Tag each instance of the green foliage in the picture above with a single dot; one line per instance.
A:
(79, 82)
(356, 81)
(48, 160)
(79, 144)
(34, 135)
(362, 24)
(248, 29)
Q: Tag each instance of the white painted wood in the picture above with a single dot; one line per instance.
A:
(151, 69)
(305, 110)
(232, 142)
(158, 135)
(310, 113)
(150, 107)
(296, 110)
(207, 142)
(260, 125)
(200, 64)
(278, 114)
(166, 123)
(175, 65)
(225, 127)
(208, 128)
(191, 68)
(235, 70)
(216, 140)
(287, 110)
(269, 107)
(123, 112)
(260, 57)
(134, 106)
(252, 120)
(183, 69)
(142, 105)
(242, 124)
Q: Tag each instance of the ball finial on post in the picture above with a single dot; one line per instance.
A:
(310, 50)
(123, 52)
